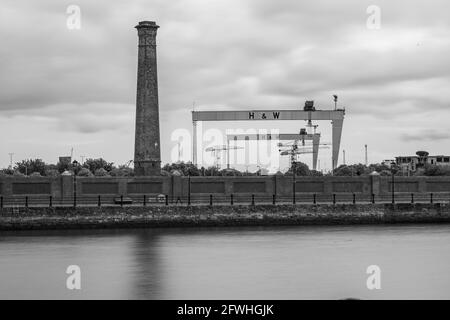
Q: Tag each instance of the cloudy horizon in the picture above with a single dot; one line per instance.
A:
(64, 89)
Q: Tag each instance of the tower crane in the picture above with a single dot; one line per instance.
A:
(217, 152)
(294, 150)
(129, 162)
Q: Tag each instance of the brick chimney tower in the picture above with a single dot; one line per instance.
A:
(147, 152)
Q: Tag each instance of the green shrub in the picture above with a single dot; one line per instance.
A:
(85, 172)
(101, 172)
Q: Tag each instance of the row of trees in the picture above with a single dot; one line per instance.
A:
(188, 168)
(302, 169)
(91, 167)
(101, 167)
(362, 170)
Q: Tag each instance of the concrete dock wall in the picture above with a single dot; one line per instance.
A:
(175, 186)
(219, 216)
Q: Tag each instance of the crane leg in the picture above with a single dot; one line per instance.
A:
(315, 154)
(336, 133)
(194, 142)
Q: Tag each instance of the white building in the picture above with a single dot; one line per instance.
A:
(421, 159)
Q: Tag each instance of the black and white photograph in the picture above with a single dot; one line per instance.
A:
(225, 155)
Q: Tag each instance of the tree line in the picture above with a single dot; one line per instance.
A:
(90, 168)
(100, 167)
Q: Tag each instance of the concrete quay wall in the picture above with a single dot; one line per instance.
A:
(65, 187)
(219, 216)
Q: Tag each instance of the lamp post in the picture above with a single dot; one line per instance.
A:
(189, 189)
(74, 189)
(294, 167)
(393, 171)
(393, 187)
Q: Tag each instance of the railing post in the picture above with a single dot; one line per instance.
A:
(354, 198)
(373, 198)
(231, 199)
(99, 201)
(50, 203)
(1, 202)
(334, 198)
(210, 200)
(274, 199)
(393, 192)
(431, 197)
(145, 200)
(314, 198)
(253, 199)
(26, 202)
(412, 197)
(121, 201)
(167, 199)
(393, 188)
(74, 200)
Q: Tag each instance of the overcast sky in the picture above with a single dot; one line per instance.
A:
(62, 88)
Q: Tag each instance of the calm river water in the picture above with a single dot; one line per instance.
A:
(229, 263)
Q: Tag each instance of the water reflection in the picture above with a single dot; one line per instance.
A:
(229, 263)
(146, 270)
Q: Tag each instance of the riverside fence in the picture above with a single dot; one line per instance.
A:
(211, 200)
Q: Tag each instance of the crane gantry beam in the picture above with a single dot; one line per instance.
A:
(336, 116)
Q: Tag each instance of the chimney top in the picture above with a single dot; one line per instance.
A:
(147, 24)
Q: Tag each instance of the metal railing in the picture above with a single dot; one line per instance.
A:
(35, 201)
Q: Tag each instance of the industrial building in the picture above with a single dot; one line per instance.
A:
(422, 158)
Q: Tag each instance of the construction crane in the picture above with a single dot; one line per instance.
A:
(294, 150)
(128, 164)
(217, 153)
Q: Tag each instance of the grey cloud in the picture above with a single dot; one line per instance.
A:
(81, 118)
(426, 135)
(233, 54)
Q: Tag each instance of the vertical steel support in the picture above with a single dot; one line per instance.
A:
(336, 140)
(316, 142)
(194, 142)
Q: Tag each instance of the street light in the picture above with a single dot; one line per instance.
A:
(393, 172)
(189, 189)
(294, 167)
